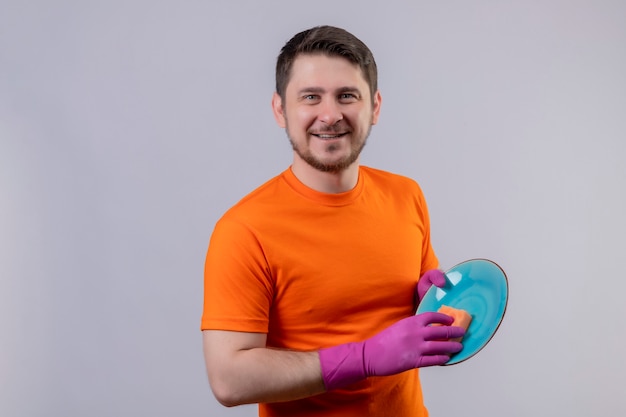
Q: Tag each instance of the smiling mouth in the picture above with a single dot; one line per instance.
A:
(328, 136)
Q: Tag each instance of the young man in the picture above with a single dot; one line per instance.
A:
(312, 280)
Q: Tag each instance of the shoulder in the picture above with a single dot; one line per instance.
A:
(399, 190)
(264, 199)
(390, 180)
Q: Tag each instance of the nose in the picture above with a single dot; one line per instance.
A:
(330, 112)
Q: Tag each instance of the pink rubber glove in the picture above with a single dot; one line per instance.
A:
(429, 278)
(407, 344)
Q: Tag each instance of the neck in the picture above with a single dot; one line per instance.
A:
(326, 182)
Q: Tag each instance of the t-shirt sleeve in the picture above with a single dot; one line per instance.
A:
(429, 258)
(238, 289)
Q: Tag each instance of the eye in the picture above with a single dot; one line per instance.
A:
(310, 97)
(348, 97)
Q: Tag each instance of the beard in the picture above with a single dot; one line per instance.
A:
(335, 166)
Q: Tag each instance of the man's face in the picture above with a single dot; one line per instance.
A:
(327, 111)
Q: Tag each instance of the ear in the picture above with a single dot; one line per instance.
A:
(378, 99)
(279, 111)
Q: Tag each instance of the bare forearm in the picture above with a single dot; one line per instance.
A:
(261, 374)
(267, 375)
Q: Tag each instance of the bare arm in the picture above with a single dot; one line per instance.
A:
(242, 370)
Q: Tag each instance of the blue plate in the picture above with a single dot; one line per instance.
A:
(480, 287)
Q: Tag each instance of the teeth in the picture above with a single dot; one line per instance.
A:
(328, 136)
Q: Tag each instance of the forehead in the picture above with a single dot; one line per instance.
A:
(324, 71)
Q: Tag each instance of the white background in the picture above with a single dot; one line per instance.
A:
(128, 127)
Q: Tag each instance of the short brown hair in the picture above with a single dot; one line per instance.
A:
(331, 41)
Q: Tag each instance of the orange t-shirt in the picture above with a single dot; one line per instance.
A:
(314, 270)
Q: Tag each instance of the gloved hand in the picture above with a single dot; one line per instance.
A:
(429, 278)
(409, 343)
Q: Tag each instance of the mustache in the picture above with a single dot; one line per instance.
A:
(329, 129)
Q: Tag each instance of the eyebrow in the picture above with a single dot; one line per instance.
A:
(319, 90)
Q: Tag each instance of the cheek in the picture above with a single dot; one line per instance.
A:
(303, 118)
(365, 120)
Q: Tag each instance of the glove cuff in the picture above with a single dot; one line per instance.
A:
(342, 365)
